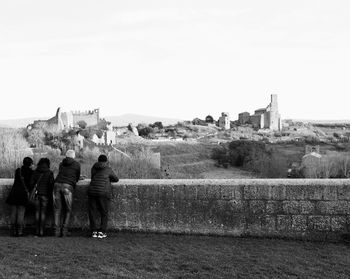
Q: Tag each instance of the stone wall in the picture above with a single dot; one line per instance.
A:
(309, 209)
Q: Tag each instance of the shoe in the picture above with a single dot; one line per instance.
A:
(101, 235)
(57, 232)
(65, 232)
(94, 234)
(20, 231)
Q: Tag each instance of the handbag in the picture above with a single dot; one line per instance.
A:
(33, 194)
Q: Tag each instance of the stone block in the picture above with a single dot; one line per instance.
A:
(254, 225)
(299, 222)
(257, 207)
(227, 192)
(131, 191)
(254, 192)
(343, 192)
(278, 192)
(269, 223)
(166, 193)
(295, 192)
(340, 207)
(190, 192)
(283, 222)
(319, 223)
(298, 207)
(238, 192)
(179, 192)
(133, 221)
(119, 191)
(202, 192)
(213, 192)
(274, 207)
(339, 224)
(314, 192)
(330, 193)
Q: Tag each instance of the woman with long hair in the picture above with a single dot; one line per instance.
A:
(18, 197)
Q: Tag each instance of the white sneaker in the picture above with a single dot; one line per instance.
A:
(101, 235)
(94, 234)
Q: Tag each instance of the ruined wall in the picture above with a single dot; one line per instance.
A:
(311, 209)
(91, 118)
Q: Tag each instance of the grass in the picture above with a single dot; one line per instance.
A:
(133, 255)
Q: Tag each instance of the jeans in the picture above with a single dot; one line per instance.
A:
(40, 213)
(98, 206)
(17, 215)
(62, 199)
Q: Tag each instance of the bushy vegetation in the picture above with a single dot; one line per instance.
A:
(258, 157)
(137, 165)
(13, 148)
(331, 165)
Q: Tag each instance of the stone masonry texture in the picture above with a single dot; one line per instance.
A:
(293, 208)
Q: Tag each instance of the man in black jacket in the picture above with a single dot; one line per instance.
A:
(68, 176)
(99, 193)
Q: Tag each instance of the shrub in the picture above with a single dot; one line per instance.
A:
(82, 124)
(13, 148)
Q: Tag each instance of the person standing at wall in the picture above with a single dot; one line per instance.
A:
(44, 179)
(68, 176)
(99, 195)
(18, 197)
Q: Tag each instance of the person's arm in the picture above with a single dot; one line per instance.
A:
(78, 172)
(33, 181)
(51, 182)
(113, 177)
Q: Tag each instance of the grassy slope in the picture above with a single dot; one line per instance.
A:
(126, 255)
(185, 160)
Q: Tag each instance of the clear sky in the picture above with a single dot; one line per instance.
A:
(179, 59)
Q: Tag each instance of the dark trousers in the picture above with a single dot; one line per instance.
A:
(98, 205)
(17, 215)
(62, 198)
(40, 213)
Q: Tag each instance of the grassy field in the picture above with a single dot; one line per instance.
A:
(131, 255)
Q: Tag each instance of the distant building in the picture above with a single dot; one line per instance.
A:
(64, 120)
(311, 161)
(243, 118)
(224, 120)
(264, 118)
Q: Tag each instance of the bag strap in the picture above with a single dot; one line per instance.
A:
(36, 184)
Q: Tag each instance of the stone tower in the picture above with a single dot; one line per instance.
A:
(275, 118)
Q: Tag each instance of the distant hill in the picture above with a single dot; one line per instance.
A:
(121, 120)
(20, 122)
(313, 121)
(125, 119)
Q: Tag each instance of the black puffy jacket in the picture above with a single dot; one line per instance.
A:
(69, 172)
(101, 177)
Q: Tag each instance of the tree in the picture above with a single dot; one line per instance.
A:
(36, 137)
(145, 132)
(82, 124)
(157, 124)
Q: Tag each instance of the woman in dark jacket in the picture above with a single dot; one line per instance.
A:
(18, 197)
(99, 192)
(44, 179)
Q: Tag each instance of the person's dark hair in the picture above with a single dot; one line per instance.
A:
(44, 161)
(27, 161)
(102, 158)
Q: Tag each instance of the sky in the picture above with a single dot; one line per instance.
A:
(179, 59)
